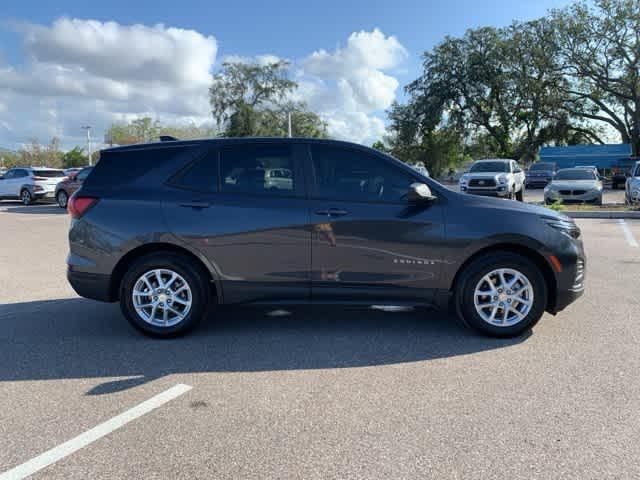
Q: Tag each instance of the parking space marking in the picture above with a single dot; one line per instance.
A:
(67, 448)
(631, 240)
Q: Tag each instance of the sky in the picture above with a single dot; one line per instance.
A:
(69, 63)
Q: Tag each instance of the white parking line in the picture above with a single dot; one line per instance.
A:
(67, 448)
(631, 240)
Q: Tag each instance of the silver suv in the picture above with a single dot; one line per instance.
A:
(632, 186)
(29, 184)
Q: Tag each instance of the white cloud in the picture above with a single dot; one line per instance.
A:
(79, 72)
(349, 85)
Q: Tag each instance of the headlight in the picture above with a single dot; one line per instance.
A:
(567, 227)
(502, 179)
(463, 179)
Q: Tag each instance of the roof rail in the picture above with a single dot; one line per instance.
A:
(168, 138)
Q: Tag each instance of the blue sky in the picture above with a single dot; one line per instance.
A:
(287, 29)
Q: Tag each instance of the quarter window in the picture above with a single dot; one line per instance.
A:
(258, 169)
(201, 175)
(351, 175)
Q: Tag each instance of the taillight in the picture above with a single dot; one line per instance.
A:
(78, 206)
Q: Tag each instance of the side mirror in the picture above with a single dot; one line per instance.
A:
(420, 192)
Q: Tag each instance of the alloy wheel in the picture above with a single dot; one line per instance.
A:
(503, 297)
(162, 297)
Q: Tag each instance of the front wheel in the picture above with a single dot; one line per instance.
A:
(164, 294)
(520, 195)
(501, 294)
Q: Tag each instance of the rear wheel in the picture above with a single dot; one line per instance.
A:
(25, 197)
(62, 199)
(501, 294)
(164, 294)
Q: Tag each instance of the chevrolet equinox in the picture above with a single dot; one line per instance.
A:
(171, 229)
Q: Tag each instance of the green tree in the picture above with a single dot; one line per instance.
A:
(502, 85)
(249, 99)
(599, 50)
(74, 158)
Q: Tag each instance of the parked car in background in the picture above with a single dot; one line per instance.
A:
(540, 174)
(68, 186)
(30, 184)
(170, 232)
(495, 178)
(69, 171)
(621, 170)
(574, 185)
(632, 186)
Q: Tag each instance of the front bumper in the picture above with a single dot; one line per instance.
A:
(570, 281)
(537, 182)
(499, 191)
(591, 196)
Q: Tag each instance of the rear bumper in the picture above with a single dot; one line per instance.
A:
(91, 285)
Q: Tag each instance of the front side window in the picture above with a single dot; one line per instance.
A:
(258, 169)
(352, 175)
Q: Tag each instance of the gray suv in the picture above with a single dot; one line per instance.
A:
(175, 228)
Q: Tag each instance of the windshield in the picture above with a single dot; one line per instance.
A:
(541, 166)
(576, 174)
(489, 167)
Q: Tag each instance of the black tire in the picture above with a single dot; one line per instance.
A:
(26, 197)
(473, 273)
(195, 276)
(62, 198)
(512, 194)
(520, 195)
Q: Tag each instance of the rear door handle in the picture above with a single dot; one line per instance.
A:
(196, 204)
(332, 212)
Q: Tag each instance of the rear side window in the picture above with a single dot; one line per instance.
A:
(49, 173)
(118, 167)
(352, 175)
(201, 175)
(258, 169)
(82, 174)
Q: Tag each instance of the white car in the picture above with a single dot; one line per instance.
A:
(632, 186)
(29, 184)
(494, 177)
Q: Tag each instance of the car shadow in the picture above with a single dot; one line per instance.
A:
(39, 208)
(78, 338)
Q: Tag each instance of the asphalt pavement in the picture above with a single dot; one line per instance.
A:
(321, 393)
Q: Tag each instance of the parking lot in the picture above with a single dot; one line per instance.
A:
(320, 393)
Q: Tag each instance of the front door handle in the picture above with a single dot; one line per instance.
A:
(196, 204)
(332, 212)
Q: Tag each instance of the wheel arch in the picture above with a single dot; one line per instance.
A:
(132, 255)
(538, 259)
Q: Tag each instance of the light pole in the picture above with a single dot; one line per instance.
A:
(88, 129)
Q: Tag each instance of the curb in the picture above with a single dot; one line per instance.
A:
(609, 214)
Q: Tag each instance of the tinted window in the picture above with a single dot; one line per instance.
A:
(258, 169)
(575, 174)
(542, 166)
(10, 174)
(347, 174)
(489, 167)
(117, 167)
(201, 175)
(49, 173)
(20, 173)
(83, 173)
